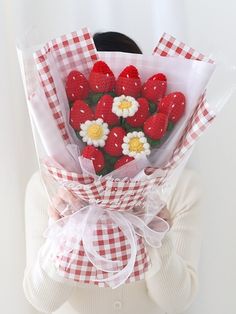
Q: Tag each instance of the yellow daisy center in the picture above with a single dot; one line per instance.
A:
(135, 145)
(95, 131)
(124, 104)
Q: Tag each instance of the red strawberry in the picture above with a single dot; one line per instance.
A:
(129, 82)
(94, 154)
(156, 125)
(104, 110)
(77, 86)
(123, 161)
(80, 113)
(101, 78)
(155, 87)
(173, 105)
(114, 141)
(141, 115)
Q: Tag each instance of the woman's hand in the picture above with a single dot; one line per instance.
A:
(60, 202)
(165, 214)
(64, 198)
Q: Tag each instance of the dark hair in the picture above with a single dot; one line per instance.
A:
(114, 41)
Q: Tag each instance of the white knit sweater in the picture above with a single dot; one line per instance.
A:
(170, 290)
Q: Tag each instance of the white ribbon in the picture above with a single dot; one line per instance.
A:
(66, 233)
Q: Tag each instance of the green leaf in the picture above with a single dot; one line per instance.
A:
(78, 135)
(170, 126)
(130, 128)
(153, 143)
(70, 103)
(122, 122)
(109, 164)
(152, 107)
(93, 98)
(104, 171)
(113, 94)
(88, 101)
(110, 159)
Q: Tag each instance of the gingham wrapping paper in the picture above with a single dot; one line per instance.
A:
(119, 195)
(109, 193)
(169, 46)
(111, 244)
(109, 240)
(75, 50)
(122, 195)
(199, 121)
(202, 117)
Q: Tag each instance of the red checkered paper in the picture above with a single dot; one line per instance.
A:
(107, 248)
(202, 117)
(109, 242)
(69, 52)
(169, 46)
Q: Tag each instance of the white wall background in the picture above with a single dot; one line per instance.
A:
(207, 25)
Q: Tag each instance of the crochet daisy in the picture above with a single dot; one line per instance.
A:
(94, 132)
(135, 144)
(125, 106)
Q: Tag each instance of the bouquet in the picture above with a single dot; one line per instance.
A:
(120, 120)
(115, 130)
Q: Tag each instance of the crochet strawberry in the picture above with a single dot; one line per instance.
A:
(173, 105)
(129, 82)
(141, 115)
(155, 126)
(104, 110)
(114, 141)
(80, 112)
(122, 161)
(94, 154)
(77, 86)
(155, 88)
(101, 78)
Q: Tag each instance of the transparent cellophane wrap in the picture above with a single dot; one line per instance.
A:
(104, 239)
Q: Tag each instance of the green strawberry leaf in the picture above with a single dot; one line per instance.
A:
(153, 143)
(109, 164)
(130, 128)
(93, 98)
(78, 135)
(112, 94)
(122, 122)
(88, 101)
(103, 172)
(109, 159)
(152, 107)
(170, 126)
(70, 103)
(107, 169)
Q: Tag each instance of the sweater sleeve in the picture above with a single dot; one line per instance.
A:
(175, 285)
(45, 294)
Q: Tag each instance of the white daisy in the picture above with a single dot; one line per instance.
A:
(94, 132)
(135, 145)
(125, 106)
